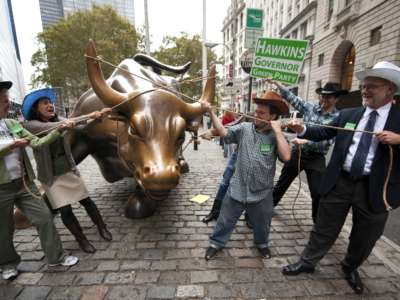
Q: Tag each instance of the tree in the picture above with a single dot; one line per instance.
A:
(60, 61)
(180, 50)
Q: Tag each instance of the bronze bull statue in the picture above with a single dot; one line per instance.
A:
(143, 136)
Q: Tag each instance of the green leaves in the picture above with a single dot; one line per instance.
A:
(178, 51)
(63, 46)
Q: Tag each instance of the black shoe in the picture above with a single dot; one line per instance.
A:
(247, 219)
(265, 252)
(297, 268)
(354, 280)
(213, 215)
(211, 252)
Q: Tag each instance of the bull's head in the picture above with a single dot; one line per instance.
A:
(156, 120)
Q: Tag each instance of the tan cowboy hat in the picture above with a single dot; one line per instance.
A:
(274, 99)
(382, 69)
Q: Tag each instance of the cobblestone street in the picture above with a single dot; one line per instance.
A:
(162, 257)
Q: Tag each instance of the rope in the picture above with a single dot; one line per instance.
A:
(299, 180)
(387, 205)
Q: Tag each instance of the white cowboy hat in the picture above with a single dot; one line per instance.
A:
(382, 69)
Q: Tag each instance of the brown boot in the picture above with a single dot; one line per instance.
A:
(80, 237)
(97, 219)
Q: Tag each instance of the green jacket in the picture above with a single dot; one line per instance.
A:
(18, 132)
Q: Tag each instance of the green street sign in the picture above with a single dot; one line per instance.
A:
(254, 18)
(279, 59)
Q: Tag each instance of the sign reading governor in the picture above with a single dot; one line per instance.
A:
(280, 59)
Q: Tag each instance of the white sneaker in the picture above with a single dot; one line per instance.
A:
(67, 261)
(10, 273)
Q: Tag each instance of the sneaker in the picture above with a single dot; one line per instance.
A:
(67, 261)
(211, 252)
(265, 252)
(9, 274)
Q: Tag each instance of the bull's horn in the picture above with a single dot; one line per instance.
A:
(107, 95)
(194, 110)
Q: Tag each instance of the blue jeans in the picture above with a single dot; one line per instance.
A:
(226, 177)
(260, 215)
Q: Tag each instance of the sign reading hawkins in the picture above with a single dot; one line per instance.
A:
(279, 59)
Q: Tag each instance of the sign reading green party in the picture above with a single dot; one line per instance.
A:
(254, 18)
(279, 59)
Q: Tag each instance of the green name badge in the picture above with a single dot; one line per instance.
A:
(350, 126)
(265, 148)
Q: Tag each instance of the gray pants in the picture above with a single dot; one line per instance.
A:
(333, 209)
(14, 193)
(260, 215)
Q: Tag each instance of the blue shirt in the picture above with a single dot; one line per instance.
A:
(312, 113)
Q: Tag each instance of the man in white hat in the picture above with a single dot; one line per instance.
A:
(356, 174)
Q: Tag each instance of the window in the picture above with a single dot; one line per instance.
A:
(375, 36)
(294, 34)
(320, 59)
(348, 2)
(241, 20)
(303, 30)
(318, 84)
(330, 9)
(290, 12)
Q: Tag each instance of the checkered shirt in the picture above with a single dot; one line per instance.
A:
(253, 179)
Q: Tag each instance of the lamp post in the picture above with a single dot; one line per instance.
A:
(211, 45)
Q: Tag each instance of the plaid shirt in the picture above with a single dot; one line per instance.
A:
(311, 113)
(253, 179)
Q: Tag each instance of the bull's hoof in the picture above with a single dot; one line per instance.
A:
(20, 220)
(184, 166)
(139, 206)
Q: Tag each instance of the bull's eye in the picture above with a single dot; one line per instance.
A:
(134, 133)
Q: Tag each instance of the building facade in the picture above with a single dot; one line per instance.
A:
(351, 36)
(53, 10)
(344, 36)
(10, 63)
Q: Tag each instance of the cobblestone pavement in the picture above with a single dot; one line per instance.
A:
(161, 257)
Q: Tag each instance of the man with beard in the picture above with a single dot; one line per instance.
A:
(356, 174)
(259, 144)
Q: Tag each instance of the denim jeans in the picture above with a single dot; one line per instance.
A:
(260, 215)
(226, 177)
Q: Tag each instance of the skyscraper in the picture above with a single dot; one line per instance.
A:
(10, 63)
(53, 10)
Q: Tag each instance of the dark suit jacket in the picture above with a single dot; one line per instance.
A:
(380, 163)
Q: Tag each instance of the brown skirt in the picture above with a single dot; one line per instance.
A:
(66, 189)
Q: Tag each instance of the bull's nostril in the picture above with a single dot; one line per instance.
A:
(146, 170)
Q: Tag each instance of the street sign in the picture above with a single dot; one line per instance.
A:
(246, 60)
(254, 18)
(254, 27)
(251, 37)
(279, 59)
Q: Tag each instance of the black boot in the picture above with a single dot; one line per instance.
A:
(97, 219)
(214, 213)
(80, 237)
